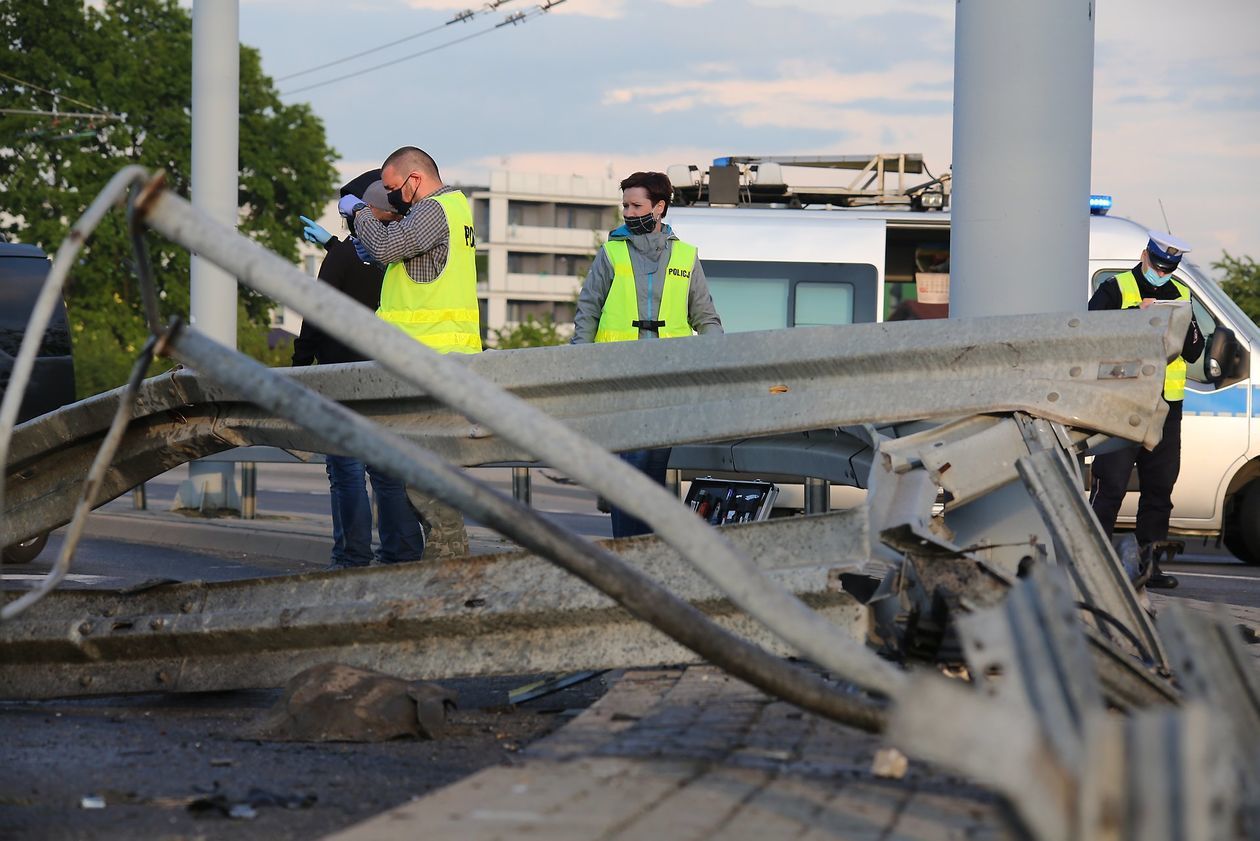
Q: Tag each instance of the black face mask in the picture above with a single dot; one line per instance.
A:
(395, 198)
(640, 225)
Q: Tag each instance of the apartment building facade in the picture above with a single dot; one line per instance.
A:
(537, 235)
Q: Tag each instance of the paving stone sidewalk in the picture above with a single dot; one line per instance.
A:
(690, 754)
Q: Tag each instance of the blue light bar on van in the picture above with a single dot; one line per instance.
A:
(1099, 205)
(722, 161)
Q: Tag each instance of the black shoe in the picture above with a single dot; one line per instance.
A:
(1161, 581)
(334, 566)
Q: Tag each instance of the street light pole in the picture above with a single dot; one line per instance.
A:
(215, 143)
(1023, 119)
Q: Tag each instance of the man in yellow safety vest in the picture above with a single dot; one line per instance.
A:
(430, 286)
(646, 284)
(1149, 281)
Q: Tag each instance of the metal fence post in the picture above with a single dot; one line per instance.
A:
(139, 499)
(521, 491)
(673, 481)
(817, 495)
(249, 490)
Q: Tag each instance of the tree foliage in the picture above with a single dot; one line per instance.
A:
(531, 332)
(1241, 281)
(133, 59)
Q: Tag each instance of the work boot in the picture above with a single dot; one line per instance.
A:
(1159, 579)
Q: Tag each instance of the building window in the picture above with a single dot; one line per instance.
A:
(581, 217)
(518, 311)
(526, 213)
(573, 265)
(519, 262)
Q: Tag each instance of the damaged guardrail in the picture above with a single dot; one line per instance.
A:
(971, 516)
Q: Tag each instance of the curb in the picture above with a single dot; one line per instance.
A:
(232, 537)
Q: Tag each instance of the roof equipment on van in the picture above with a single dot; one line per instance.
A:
(1099, 205)
(735, 180)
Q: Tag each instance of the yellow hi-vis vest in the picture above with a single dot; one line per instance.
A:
(619, 322)
(442, 314)
(1175, 373)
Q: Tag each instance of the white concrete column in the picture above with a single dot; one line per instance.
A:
(215, 144)
(1023, 116)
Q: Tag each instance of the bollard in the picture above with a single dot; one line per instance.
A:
(673, 481)
(817, 495)
(139, 499)
(249, 490)
(520, 485)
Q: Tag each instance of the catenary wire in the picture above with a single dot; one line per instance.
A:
(489, 7)
(376, 67)
(53, 93)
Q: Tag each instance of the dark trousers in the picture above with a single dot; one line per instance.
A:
(652, 462)
(1157, 473)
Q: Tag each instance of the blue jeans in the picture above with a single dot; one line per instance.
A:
(653, 463)
(402, 538)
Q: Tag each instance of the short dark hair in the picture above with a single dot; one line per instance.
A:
(657, 186)
(413, 158)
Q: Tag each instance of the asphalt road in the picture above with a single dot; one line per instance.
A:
(303, 489)
(154, 761)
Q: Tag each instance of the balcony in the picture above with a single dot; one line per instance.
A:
(552, 286)
(542, 237)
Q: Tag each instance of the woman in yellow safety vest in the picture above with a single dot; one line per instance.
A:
(645, 283)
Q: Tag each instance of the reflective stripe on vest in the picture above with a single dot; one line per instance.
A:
(621, 308)
(1175, 373)
(442, 314)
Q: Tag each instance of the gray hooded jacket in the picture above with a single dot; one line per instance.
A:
(649, 256)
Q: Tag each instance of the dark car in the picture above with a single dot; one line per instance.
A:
(23, 269)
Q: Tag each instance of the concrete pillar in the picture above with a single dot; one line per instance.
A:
(1023, 114)
(215, 142)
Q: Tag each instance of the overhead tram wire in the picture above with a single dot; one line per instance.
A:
(462, 17)
(67, 98)
(518, 18)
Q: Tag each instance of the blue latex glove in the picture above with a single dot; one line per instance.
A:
(349, 205)
(312, 231)
(361, 251)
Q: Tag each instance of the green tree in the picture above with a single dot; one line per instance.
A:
(132, 59)
(531, 332)
(1241, 281)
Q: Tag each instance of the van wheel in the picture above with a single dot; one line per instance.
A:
(26, 551)
(1242, 533)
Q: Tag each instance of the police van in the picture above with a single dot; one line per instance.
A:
(772, 265)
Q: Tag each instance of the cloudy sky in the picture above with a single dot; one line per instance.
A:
(599, 87)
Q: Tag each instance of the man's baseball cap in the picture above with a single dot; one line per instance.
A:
(1165, 250)
(359, 183)
(377, 196)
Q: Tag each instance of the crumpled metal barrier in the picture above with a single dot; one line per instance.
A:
(645, 394)
(1034, 727)
(1213, 667)
(1013, 501)
(511, 613)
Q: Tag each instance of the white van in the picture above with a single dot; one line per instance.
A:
(783, 267)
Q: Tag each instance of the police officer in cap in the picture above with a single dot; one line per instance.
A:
(1149, 281)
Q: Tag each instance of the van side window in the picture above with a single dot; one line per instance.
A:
(823, 303)
(767, 295)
